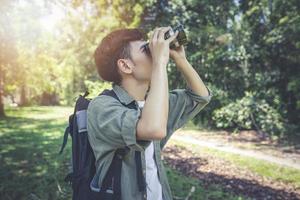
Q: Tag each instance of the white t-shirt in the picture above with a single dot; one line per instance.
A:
(154, 189)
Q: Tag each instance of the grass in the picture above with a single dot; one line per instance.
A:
(31, 168)
(30, 165)
(181, 186)
(263, 168)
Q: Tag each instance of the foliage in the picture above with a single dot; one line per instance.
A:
(250, 112)
(236, 47)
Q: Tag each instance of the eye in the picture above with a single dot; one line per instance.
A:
(142, 48)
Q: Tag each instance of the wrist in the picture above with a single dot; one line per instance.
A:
(159, 68)
(159, 64)
(180, 61)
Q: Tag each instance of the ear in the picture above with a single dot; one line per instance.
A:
(124, 66)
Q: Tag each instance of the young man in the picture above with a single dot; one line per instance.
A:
(141, 80)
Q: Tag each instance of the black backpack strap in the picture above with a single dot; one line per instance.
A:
(112, 180)
(68, 129)
(140, 177)
(66, 134)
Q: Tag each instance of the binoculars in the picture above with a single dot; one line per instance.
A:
(181, 39)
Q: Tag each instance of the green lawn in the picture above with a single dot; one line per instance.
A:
(31, 168)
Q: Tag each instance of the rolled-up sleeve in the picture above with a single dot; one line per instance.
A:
(116, 124)
(184, 104)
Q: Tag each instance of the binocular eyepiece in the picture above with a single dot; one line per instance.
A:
(181, 39)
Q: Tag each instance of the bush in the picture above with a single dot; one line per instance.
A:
(250, 113)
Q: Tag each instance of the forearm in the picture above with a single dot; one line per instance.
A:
(155, 110)
(192, 77)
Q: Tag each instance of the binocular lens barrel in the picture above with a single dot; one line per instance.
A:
(181, 38)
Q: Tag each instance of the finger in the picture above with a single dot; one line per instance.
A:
(159, 32)
(153, 35)
(162, 32)
(170, 39)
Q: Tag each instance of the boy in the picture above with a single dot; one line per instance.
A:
(142, 80)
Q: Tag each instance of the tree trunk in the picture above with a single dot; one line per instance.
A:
(2, 113)
(23, 100)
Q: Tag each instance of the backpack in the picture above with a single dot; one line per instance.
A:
(83, 176)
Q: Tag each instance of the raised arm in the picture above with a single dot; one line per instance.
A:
(153, 122)
(186, 103)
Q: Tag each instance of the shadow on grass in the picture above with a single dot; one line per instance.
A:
(30, 165)
(32, 169)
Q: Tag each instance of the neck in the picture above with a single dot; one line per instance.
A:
(136, 89)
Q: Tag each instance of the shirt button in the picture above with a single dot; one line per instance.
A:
(145, 196)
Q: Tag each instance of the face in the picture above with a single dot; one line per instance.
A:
(140, 67)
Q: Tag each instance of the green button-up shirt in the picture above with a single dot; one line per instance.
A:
(111, 125)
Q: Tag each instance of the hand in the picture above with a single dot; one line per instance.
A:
(159, 47)
(178, 53)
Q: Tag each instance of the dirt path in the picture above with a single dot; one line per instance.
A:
(210, 170)
(186, 137)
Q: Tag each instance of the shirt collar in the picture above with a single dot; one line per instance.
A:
(122, 94)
